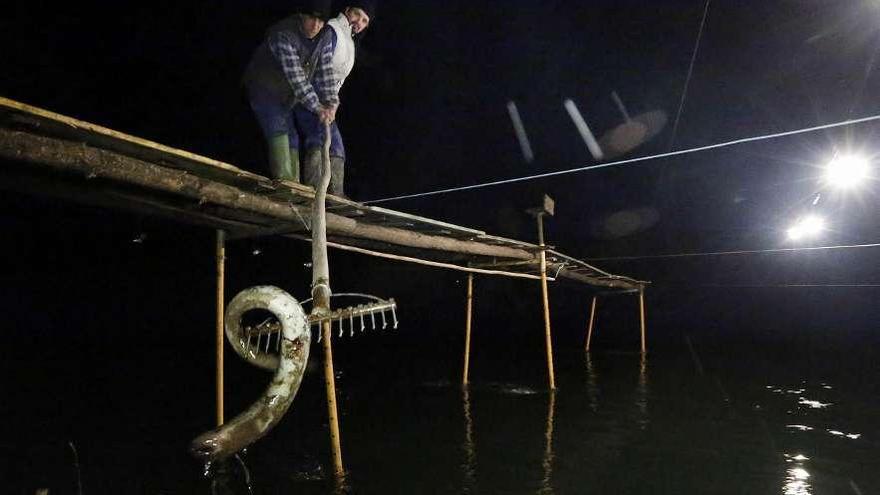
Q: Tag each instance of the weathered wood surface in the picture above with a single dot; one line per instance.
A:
(92, 163)
(48, 153)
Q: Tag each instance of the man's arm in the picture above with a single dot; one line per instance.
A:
(282, 48)
(325, 77)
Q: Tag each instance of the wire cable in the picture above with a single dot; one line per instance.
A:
(690, 72)
(777, 286)
(631, 160)
(724, 253)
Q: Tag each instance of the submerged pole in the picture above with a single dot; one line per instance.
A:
(467, 327)
(642, 316)
(220, 256)
(547, 339)
(592, 320)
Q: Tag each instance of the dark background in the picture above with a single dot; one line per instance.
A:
(425, 110)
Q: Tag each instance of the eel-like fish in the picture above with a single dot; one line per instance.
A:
(262, 415)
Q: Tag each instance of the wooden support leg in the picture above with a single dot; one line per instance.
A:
(592, 321)
(221, 281)
(545, 299)
(467, 327)
(330, 382)
(642, 316)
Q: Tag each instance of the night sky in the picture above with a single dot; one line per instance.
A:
(425, 109)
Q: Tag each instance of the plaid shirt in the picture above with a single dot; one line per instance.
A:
(322, 89)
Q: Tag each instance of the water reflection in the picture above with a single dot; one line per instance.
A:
(546, 482)
(592, 384)
(797, 481)
(642, 393)
(469, 467)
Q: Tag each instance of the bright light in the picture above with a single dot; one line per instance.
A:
(846, 171)
(808, 226)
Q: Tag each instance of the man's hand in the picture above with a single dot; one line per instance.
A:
(327, 114)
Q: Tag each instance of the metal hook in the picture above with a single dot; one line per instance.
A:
(351, 324)
(372, 319)
(362, 322)
(394, 315)
(340, 325)
(384, 322)
(248, 346)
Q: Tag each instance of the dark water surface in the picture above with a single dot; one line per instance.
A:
(108, 349)
(676, 422)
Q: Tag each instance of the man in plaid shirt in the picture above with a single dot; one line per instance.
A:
(293, 91)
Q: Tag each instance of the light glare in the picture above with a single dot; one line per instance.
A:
(846, 171)
(808, 226)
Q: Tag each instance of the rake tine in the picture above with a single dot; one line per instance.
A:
(394, 315)
(372, 319)
(384, 321)
(362, 322)
(351, 324)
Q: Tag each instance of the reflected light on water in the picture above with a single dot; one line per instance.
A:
(796, 482)
(838, 433)
(800, 427)
(813, 403)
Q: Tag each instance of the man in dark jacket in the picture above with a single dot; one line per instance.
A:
(293, 89)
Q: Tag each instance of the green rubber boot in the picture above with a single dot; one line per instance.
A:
(283, 161)
(337, 176)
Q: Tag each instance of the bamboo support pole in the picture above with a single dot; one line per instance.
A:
(467, 327)
(592, 321)
(547, 337)
(642, 316)
(221, 283)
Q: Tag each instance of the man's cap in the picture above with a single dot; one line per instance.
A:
(316, 8)
(368, 6)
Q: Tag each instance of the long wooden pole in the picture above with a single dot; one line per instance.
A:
(642, 316)
(545, 299)
(321, 293)
(467, 327)
(221, 282)
(592, 320)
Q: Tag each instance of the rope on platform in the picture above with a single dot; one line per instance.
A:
(632, 160)
(436, 264)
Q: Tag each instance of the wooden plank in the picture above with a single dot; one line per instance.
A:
(209, 192)
(60, 125)
(65, 157)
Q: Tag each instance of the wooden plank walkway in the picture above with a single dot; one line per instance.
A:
(47, 153)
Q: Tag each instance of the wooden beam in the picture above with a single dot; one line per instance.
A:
(92, 163)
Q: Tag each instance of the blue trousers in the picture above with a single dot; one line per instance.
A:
(299, 123)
